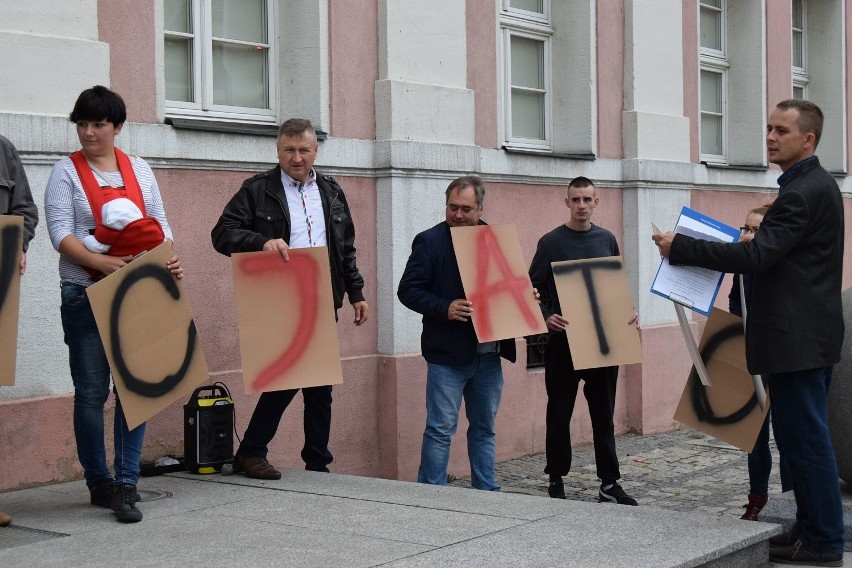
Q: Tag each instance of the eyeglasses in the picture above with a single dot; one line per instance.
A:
(747, 229)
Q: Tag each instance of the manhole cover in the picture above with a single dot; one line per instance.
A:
(154, 495)
(14, 535)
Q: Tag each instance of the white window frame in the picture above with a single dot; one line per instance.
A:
(516, 22)
(715, 61)
(800, 74)
(202, 72)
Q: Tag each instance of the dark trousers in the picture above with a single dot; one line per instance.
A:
(799, 402)
(760, 462)
(267, 415)
(562, 382)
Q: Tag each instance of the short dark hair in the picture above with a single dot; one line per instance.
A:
(468, 181)
(99, 103)
(811, 118)
(580, 181)
(296, 127)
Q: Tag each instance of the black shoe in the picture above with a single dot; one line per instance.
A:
(101, 493)
(615, 494)
(788, 538)
(801, 553)
(124, 503)
(556, 489)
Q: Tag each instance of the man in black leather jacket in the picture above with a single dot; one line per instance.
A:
(292, 205)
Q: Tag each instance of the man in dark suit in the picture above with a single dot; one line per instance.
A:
(795, 325)
(458, 366)
(293, 206)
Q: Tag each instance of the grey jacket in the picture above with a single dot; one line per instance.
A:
(15, 195)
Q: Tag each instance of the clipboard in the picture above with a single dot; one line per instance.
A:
(691, 286)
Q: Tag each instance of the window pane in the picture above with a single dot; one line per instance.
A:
(711, 134)
(711, 92)
(798, 14)
(799, 93)
(177, 16)
(714, 3)
(243, 20)
(529, 5)
(798, 50)
(711, 29)
(239, 76)
(527, 63)
(527, 115)
(178, 60)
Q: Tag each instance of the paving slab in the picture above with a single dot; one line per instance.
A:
(337, 520)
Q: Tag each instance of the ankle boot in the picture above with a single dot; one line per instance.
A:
(755, 504)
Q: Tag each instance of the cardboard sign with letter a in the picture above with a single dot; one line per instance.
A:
(728, 409)
(495, 280)
(285, 311)
(11, 247)
(150, 339)
(596, 301)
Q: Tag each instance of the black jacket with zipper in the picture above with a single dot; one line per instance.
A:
(258, 212)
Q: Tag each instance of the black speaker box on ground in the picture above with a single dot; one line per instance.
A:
(208, 423)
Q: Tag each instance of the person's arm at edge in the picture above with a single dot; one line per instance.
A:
(232, 233)
(414, 286)
(352, 279)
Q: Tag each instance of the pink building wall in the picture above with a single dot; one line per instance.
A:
(691, 75)
(779, 55)
(354, 68)
(610, 77)
(482, 70)
(136, 83)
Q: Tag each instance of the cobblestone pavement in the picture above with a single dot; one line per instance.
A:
(684, 470)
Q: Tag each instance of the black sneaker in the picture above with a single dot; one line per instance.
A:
(615, 494)
(101, 493)
(124, 503)
(802, 554)
(788, 538)
(556, 490)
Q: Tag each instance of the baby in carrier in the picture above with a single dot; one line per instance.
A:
(116, 214)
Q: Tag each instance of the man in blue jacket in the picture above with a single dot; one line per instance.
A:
(794, 330)
(458, 366)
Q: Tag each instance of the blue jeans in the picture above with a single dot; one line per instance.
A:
(91, 376)
(481, 384)
(799, 400)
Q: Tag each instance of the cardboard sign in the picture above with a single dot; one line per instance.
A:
(11, 249)
(150, 339)
(727, 410)
(596, 301)
(495, 280)
(285, 311)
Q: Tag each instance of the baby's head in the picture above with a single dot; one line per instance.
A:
(116, 214)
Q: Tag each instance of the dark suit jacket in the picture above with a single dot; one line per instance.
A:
(428, 286)
(796, 318)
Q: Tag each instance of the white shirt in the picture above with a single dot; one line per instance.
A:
(307, 219)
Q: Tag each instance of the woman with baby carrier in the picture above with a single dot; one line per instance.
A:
(77, 190)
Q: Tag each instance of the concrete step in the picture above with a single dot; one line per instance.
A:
(337, 520)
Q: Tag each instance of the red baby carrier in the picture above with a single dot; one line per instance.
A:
(137, 236)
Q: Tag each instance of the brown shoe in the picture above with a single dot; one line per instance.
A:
(256, 468)
(5, 519)
(755, 504)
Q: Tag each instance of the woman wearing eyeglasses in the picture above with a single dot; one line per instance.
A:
(760, 458)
